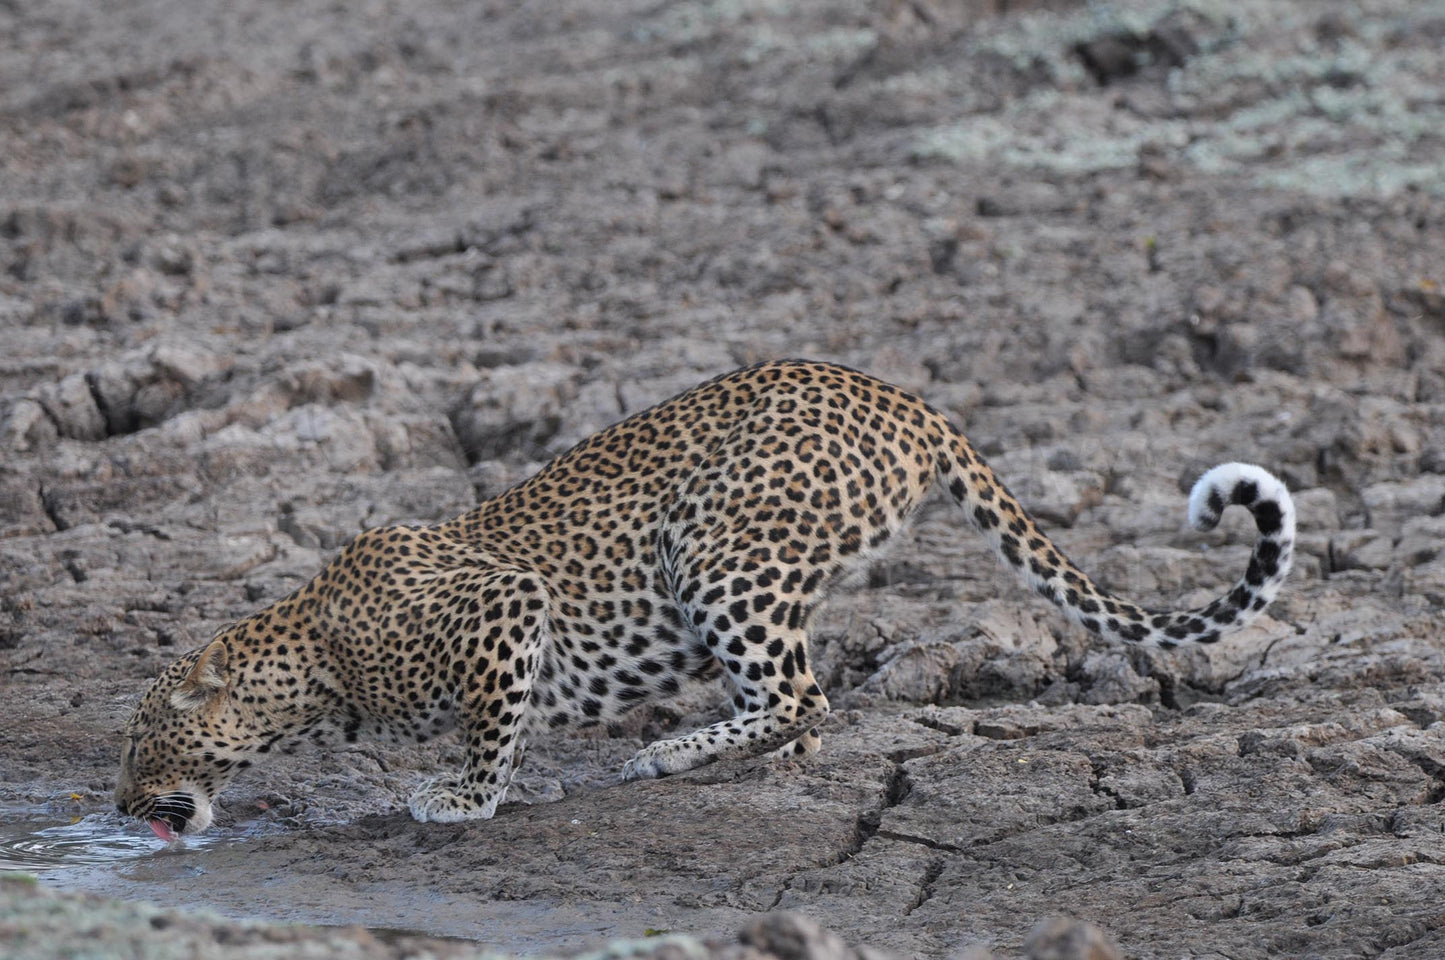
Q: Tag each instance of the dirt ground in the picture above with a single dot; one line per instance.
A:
(271, 274)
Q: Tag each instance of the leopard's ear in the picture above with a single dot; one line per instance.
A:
(206, 679)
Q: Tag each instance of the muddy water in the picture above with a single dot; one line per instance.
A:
(39, 843)
(264, 870)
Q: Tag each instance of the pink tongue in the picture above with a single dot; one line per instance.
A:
(163, 830)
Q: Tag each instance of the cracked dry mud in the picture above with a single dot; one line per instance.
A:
(273, 274)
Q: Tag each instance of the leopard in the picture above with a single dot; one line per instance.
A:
(692, 540)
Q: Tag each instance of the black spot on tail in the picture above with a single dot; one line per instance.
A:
(1134, 632)
(1268, 554)
(1216, 502)
(1254, 576)
(1245, 493)
(1268, 518)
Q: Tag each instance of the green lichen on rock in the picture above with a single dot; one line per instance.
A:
(1289, 96)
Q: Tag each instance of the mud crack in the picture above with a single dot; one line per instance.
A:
(921, 841)
(926, 884)
(1096, 784)
(895, 790)
(943, 726)
(52, 509)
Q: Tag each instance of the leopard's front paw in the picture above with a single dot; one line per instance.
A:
(448, 800)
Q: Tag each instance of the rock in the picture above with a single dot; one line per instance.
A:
(1316, 509)
(634, 395)
(406, 442)
(1012, 656)
(903, 370)
(1021, 199)
(186, 366)
(307, 528)
(1366, 332)
(919, 672)
(1346, 279)
(1111, 57)
(1427, 580)
(1059, 938)
(238, 554)
(1110, 678)
(173, 258)
(154, 402)
(1303, 307)
(346, 379)
(1114, 56)
(44, 924)
(1425, 296)
(514, 409)
(1135, 783)
(27, 427)
(788, 936)
(992, 790)
(491, 478)
(71, 406)
(1055, 495)
(1421, 540)
(122, 395)
(22, 510)
(114, 385)
(1393, 503)
(1361, 550)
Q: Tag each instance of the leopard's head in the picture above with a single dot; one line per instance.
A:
(183, 744)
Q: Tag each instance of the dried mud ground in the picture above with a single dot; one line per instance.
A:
(274, 273)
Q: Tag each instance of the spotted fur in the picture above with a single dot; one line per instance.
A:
(693, 539)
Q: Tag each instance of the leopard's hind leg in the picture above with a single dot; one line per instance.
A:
(748, 552)
(805, 746)
(776, 698)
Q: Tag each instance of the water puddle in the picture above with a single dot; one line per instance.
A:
(398, 936)
(35, 843)
(232, 871)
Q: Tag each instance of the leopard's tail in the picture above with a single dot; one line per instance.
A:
(1024, 546)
